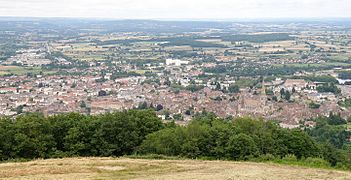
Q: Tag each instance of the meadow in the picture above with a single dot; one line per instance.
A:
(128, 168)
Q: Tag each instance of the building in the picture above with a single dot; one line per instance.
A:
(176, 62)
(297, 84)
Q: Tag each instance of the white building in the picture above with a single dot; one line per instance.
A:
(176, 62)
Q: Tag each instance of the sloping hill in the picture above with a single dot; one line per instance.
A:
(124, 168)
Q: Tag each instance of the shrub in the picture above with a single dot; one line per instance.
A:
(265, 157)
(316, 162)
(241, 147)
(290, 158)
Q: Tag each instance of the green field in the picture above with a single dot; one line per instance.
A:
(17, 70)
(348, 126)
(316, 65)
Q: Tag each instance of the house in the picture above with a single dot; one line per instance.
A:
(297, 84)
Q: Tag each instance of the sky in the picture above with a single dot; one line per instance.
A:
(177, 9)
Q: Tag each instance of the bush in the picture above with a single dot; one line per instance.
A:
(289, 158)
(316, 162)
(265, 157)
(241, 147)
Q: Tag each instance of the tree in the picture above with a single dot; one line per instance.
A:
(313, 105)
(188, 112)
(218, 86)
(282, 92)
(194, 88)
(33, 137)
(329, 87)
(167, 142)
(274, 98)
(301, 145)
(7, 136)
(287, 95)
(142, 105)
(241, 147)
(234, 88)
(159, 107)
(336, 119)
(19, 109)
(83, 104)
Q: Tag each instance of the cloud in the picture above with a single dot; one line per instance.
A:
(176, 9)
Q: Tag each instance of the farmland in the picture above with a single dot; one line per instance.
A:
(18, 70)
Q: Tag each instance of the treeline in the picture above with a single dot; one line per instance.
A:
(258, 38)
(9, 47)
(193, 40)
(332, 130)
(141, 132)
(241, 139)
(322, 78)
(169, 41)
(240, 69)
(344, 75)
(192, 43)
(112, 134)
(329, 87)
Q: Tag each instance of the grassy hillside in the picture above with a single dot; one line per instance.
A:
(125, 168)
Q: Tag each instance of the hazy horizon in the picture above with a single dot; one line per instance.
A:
(183, 19)
(177, 10)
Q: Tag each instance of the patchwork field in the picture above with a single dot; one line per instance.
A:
(125, 168)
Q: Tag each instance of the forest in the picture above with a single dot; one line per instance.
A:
(141, 132)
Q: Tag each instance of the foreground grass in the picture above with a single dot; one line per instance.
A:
(127, 168)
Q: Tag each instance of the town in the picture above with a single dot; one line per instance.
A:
(186, 89)
(288, 75)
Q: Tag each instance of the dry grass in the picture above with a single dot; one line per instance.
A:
(124, 168)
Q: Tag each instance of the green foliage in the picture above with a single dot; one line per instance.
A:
(287, 95)
(309, 162)
(208, 137)
(113, 134)
(328, 130)
(192, 43)
(194, 88)
(323, 78)
(314, 105)
(33, 137)
(241, 139)
(241, 147)
(345, 103)
(259, 38)
(336, 119)
(234, 88)
(333, 136)
(329, 87)
(344, 75)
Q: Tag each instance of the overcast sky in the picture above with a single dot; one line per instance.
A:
(177, 9)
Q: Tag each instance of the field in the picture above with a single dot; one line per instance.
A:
(17, 70)
(125, 168)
